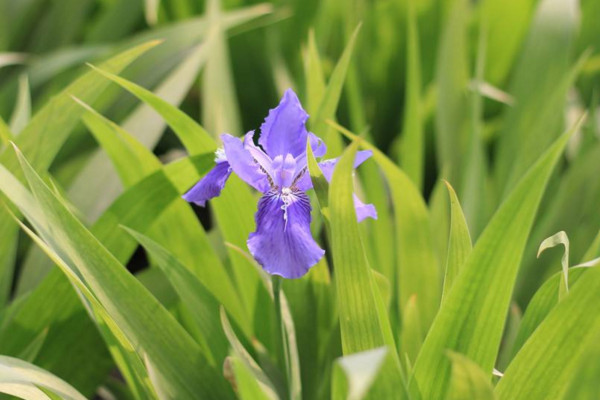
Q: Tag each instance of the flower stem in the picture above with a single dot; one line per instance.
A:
(282, 342)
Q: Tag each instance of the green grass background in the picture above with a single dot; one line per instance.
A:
(483, 119)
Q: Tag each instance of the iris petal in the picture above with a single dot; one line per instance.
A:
(243, 164)
(364, 210)
(283, 243)
(284, 170)
(328, 166)
(284, 131)
(259, 156)
(210, 186)
(317, 145)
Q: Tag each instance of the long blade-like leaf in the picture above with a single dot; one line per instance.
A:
(139, 315)
(479, 298)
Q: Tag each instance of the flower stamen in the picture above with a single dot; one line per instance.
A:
(287, 196)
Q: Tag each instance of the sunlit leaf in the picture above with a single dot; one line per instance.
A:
(480, 296)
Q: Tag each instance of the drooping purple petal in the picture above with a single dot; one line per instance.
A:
(243, 164)
(317, 145)
(364, 210)
(328, 166)
(282, 242)
(284, 131)
(210, 185)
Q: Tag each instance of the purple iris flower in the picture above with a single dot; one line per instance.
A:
(277, 167)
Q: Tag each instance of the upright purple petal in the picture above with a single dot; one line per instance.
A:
(243, 164)
(210, 186)
(302, 181)
(284, 171)
(258, 154)
(284, 131)
(282, 243)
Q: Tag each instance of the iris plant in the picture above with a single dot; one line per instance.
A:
(277, 167)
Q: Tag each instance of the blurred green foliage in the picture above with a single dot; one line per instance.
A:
(476, 93)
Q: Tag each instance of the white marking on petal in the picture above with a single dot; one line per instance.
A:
(220, 155)
(287, 197)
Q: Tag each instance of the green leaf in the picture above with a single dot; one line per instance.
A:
(8, 254)
(220, 111)
(412, 153)
(23, 391)
(42, 138)
(593, 251)
(234, 210)
(201, 304)
(147, 126)
(356, 373)
(312, 310)
(362, 323)
(261, 378)
(54, 307)
(247, 386)
(133, 162)
(49, 128)
(18, 374)
(131, 159)
(11, 59)
(544, 300)
(33, 349)
(360, 327)
(194, 137)
(511, 330)
(235, 206)
(540, 82)
(151, 11)
(331, 98)
(508, 21)
(5, 134)
(468, 380)
(380, 233)
(22, 112)
(459, 242)
(572, 209)
(135, 312)
(144, 123)
(116, 20)
(417, 264)
(313, 73)
(291, 349)
(452, 79)
(479, 298)
(319, 182)
(550, 359)
(473, 181)
(439, 218)
(121, 348)
(559, 238)
(584, 385)
(411, 336)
